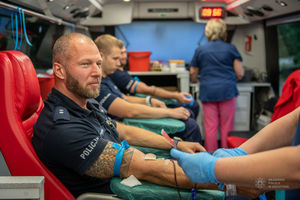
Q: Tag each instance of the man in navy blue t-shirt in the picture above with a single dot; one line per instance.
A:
(128, 85)
(121, 106)
(79, 143)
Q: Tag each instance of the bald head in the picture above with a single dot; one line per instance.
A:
(62, 46)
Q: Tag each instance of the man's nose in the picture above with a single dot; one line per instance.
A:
(97, 70)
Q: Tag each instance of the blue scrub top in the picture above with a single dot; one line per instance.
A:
(217, 76)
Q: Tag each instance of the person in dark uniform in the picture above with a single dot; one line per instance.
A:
(273, 162)
(120, 106)
(79, 143)
(128, 85)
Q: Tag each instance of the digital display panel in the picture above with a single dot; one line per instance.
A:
(212, 12)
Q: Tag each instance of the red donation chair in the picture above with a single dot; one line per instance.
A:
(21, 104)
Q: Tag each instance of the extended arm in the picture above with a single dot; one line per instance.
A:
(156, 171)
(154, 102)
(194, 74)
(122, 108)
(133, 163)
(137, 136)
(134, 99)
(159, 92)
(280, 163)
(278, 134)
(275, 169)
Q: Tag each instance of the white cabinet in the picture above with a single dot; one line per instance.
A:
(22, 187)
(246, 104)
(243, 110)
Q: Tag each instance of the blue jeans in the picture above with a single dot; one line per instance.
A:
(194, 109)
(191, 133)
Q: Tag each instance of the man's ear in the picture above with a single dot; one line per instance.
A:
(59, 70)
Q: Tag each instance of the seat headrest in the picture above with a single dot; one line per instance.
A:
(24, 83)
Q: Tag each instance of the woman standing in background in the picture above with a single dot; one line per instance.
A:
(220, 65)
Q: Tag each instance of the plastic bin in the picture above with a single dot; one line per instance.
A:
(139, 61)
(46, 82)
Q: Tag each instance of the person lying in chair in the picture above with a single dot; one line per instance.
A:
(128, 85)
(120, 106)
(76, 140)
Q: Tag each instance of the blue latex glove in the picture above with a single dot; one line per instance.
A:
(199, 167)
(223, 153)
(262, 197)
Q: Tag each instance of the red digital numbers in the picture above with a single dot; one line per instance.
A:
(212, 12)
(206, 12)
(217, 12)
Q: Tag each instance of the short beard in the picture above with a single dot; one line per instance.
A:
(74, 86)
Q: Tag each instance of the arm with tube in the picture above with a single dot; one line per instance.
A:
(140, 87)
(271, 156)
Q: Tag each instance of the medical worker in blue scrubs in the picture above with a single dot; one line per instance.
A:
(268, 161)
(220, 66)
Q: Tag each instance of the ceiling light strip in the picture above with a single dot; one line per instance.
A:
(236, 4)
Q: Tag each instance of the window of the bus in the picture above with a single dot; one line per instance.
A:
(41, 34)
(289, 49)
(167, 40)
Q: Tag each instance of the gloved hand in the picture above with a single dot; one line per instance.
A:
(223, 153)
(199, 167)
